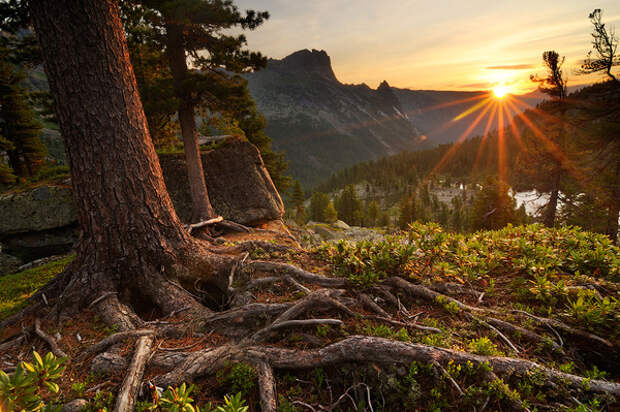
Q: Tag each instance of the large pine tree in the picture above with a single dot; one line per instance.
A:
(132, 241)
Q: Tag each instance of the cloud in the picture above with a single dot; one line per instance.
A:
(475, 85)
(523, 66)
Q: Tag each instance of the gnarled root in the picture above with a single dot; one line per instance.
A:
(366, 349)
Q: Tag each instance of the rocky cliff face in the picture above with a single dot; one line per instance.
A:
(322, 124)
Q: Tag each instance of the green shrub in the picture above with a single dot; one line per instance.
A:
(24, 389)
(483, 346)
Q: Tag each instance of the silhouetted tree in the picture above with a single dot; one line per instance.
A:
(547, 155)
(604, 45)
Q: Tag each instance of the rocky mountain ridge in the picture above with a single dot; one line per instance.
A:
(322, 124)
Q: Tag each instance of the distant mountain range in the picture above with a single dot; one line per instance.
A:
(325, 125)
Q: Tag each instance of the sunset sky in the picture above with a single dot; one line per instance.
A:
(446, 45)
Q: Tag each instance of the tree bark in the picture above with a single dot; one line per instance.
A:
(132, 241)
(552, 205)
(614, 208)
(201, 206)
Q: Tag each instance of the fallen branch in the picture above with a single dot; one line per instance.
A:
(100, 298)
(553, 323)
(112, 340)
(404, 324)
(204, 223)
(305, 322)
(500, 334)
(128, 395)
(267, 388)
(297, 285)
(50, 341)
(522, 333)
(236, 227)
(369, 349)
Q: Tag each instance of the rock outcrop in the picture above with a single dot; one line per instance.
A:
(43, 221)
(37, 223)
(43, 208)
(239, 185)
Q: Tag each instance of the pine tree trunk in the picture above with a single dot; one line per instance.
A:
(131, 237)
(201, 206)
(614, 208)
(552, 205)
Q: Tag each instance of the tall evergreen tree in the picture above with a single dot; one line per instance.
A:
(349, 207)
(322, 209)
(152, 71)
(493, 207)
(6, 173)
(372, 214)
(297, 199)
(196, 29)
(18, 124)
(407, 212)
(546, 156)
(596, 112)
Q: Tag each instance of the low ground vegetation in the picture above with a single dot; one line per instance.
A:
(522, 318)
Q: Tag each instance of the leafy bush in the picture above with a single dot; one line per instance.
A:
(241, 377)
(25, 389)
(483, 346)
(593, 311)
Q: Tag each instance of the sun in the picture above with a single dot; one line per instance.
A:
(500, 91)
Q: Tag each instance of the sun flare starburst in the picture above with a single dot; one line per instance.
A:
(500, 91)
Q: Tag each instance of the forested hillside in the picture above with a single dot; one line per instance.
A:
(589, 160)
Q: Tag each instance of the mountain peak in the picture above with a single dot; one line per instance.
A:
(384, 86)
(309, 61)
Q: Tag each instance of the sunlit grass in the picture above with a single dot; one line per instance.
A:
(17, 287)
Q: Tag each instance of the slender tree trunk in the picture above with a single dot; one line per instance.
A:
(614, 208)
(552, 205)
(201, 206)
(132, 239)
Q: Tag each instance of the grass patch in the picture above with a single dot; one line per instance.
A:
(17, 287)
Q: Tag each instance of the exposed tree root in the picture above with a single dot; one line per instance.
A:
(250, 324)
(365, 349)
(128, 396)
(252, 245)
(419, 291)
(297, 273)
(113, 340)
(267, 387)
(522, 332)
(553, 323)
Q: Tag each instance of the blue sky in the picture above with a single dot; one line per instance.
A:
(455, 45)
